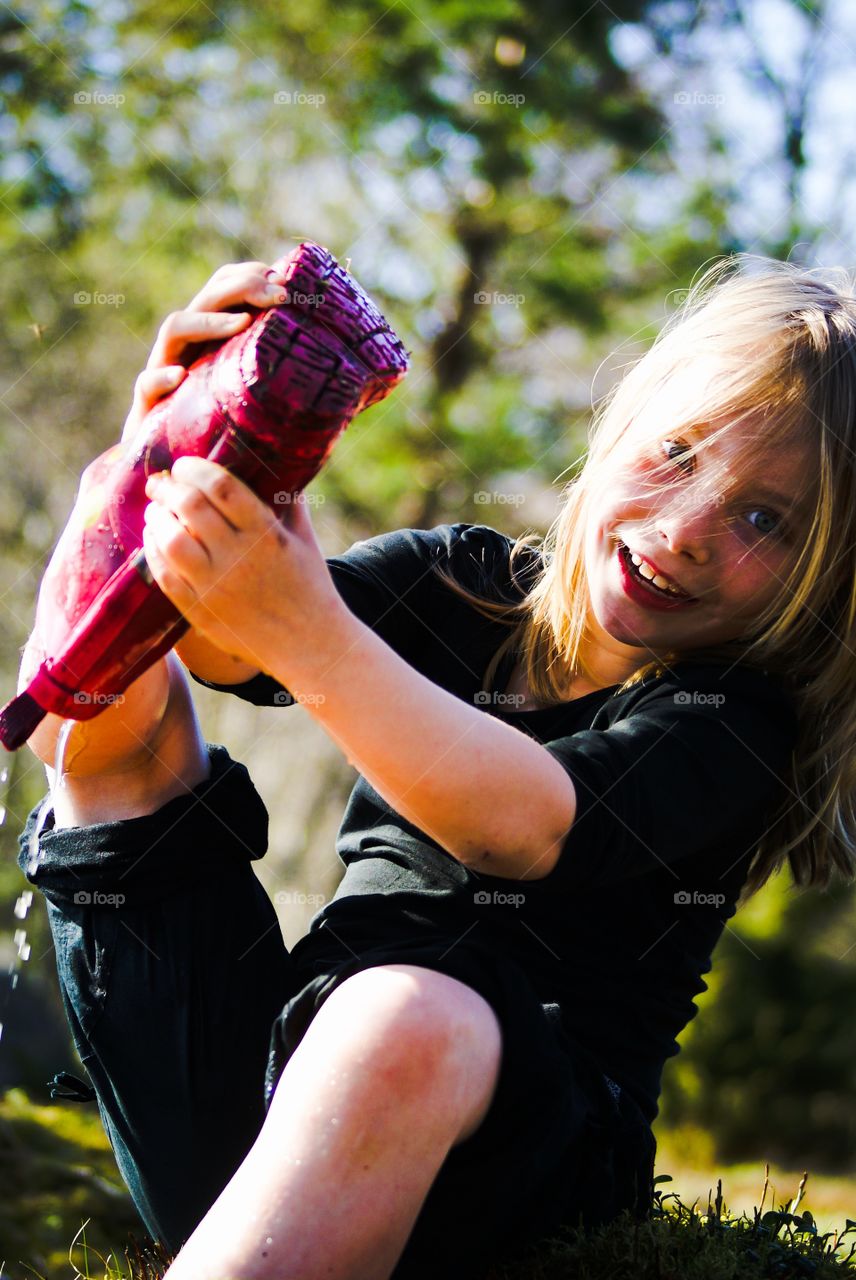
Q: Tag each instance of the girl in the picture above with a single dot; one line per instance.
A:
(575, 761)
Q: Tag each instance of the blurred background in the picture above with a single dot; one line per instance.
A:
(527, 190)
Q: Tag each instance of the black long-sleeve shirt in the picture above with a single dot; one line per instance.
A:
(676, 780)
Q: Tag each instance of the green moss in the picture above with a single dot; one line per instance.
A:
(57, 1173)
(680, 1243)
(64, 1213)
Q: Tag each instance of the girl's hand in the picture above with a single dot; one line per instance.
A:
(255, 586)
(178, 340)
(204, 319)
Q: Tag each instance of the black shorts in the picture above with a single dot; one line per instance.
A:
(560, 1143)
(185, 1005)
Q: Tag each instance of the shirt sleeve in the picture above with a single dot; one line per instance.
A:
(697, 765)
(384, 581)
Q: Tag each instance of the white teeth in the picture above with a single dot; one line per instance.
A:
(646, 572)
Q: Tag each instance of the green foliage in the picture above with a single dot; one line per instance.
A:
(768, 1065)
(69, 1214)
(680, 1243)
(462, 147)
(56, 1173)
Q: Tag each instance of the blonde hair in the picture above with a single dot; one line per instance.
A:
(781, 344)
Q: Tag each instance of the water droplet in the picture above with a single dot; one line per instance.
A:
(4, 775)
(23, 904)
(2, 814)
(14, 980)
(35, 853)
(59, 758)
(269, 1240)
(1, 1030)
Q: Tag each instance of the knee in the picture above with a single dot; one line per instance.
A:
(418, 1022)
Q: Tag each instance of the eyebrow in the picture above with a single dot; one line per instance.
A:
(795, 506)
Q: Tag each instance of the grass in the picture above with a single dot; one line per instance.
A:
(63, 1210)
(56, 1172)
(689, 1155)
(680, 1242)
(677, 1243)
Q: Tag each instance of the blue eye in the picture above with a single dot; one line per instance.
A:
(777, 526)
(669, 447)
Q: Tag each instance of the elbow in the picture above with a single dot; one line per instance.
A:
(526, 842)
(532, 856)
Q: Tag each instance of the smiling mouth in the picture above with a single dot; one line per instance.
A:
(658, 593)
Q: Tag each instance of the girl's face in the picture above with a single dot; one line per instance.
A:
(722, 529)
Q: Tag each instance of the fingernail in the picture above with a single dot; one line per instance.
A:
(238, 319)
(277, 291)
(175, 374)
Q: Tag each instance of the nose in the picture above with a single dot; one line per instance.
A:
(688, 529)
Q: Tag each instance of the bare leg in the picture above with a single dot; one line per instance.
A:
(398, 1066)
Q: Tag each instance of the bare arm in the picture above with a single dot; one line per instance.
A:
(489, 794)
(131, 758)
